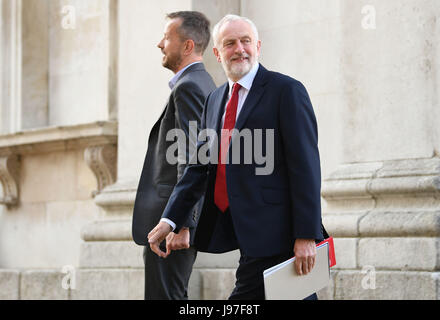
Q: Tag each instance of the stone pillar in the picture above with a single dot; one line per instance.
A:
(11, 47)
(34, 111)
(81, 64)
(383, 201)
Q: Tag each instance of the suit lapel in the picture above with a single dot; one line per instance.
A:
(221, 101)
(195, 67)
(253, 97)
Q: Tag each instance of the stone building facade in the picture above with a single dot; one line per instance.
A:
(81, 85)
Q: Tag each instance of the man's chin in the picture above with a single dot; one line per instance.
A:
(239, 71)
(168, 65)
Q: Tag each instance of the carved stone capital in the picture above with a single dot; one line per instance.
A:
(9, 171)
(102, 161)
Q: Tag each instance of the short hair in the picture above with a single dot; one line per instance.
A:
(232, 17)
(195, 26)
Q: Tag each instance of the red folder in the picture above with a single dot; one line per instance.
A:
(331, 250)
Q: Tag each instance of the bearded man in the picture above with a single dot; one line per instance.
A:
(269, 216)
(186, 37)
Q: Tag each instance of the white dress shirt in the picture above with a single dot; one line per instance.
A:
(246, 84)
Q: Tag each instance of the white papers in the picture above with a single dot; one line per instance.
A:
(281, 282)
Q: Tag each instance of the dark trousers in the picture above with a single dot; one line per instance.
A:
(249, 283)
(167, 279)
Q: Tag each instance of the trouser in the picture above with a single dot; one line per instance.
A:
(167, 278)
(249, 283)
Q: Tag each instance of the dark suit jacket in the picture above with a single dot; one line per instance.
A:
(159, 177)
(267, 212)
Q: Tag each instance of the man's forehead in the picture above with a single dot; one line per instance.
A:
(172, 24)
(236, 29)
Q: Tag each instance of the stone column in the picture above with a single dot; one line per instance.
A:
(34, 111)
(81, 61)
(11, 47)
(383, 201)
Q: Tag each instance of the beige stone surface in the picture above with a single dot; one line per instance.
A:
(375, 95)
(42, 285)
(58, 176)
(111, 254)
(37, 235)
(195, 285)
(78, 53)
(222, 260)
(399, 224)
(59, 138)
(390, 76)
(217, 284)
(289, 46)
(16, 238)
(109, 284)
(389, 285)
(397, 235)
(346, 251)
(400, 253)
(108, 230)
(328, 293)
(35, 64)
(143, 90)
(9, 284)
(117, 200)
(210, 268)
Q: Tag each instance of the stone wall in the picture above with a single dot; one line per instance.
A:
(81, 85)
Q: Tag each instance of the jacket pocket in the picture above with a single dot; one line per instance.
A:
(164, 190)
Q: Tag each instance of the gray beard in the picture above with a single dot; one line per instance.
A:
(238, 72)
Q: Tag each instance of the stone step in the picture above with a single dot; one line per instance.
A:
(369, 284)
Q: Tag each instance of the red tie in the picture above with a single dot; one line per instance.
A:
(220, 191)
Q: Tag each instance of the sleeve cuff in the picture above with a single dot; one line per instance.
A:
(171, 223)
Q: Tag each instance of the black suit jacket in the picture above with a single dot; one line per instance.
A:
(158, 176)
(267, 212)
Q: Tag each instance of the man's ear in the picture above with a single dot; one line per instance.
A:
(188, 47)
(217, 54)
(258, 47)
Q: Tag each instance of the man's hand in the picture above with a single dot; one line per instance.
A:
(157, 235)
(178, 241)
(305, 253)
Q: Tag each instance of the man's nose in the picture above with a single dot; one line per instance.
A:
(239, 48)
(159, 45)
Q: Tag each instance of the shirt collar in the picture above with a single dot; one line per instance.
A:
(176, 77)
(247, 80)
